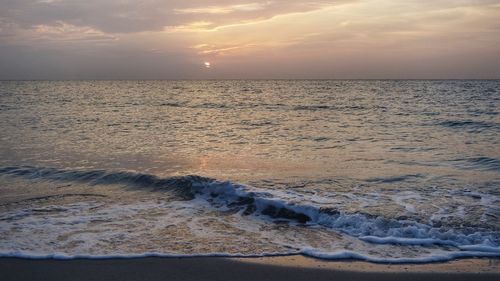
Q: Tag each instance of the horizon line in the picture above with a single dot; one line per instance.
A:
(257, 79)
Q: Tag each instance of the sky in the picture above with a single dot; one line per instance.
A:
(249, 39)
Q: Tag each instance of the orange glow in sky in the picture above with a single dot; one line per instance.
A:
(271, 39)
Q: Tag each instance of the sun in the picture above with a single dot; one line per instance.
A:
(207, 64)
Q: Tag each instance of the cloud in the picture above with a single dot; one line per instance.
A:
(129, 16)
(225, 9)
(271, 39)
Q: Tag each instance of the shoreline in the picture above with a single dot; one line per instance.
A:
(460, 265)
(296, 267)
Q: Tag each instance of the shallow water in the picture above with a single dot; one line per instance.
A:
(387, 171)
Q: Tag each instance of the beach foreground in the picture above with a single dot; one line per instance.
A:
(211, 268)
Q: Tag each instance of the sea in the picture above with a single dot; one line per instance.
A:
(389, 171)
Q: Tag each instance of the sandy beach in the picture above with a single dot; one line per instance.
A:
(275, 268)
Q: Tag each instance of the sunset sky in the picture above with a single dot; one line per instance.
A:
(172, 39)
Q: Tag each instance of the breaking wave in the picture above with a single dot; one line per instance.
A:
(276, 207)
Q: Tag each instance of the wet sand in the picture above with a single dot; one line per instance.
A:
(275, 268)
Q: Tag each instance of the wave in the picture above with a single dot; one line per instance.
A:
(276, 106)
(206, 105)
(62, 256)
(472, 125)
(338, 255)
(366, 227)
(394, 179)
(181, 184)
(480, 163)
(352, 255)
(278, 207)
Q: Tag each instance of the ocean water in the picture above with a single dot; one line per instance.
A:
(384, 171)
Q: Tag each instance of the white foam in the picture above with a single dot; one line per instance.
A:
(377, 230)
(63, 256)
(338, 255)
(438, 257)
(121, 230)
(402, 197)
